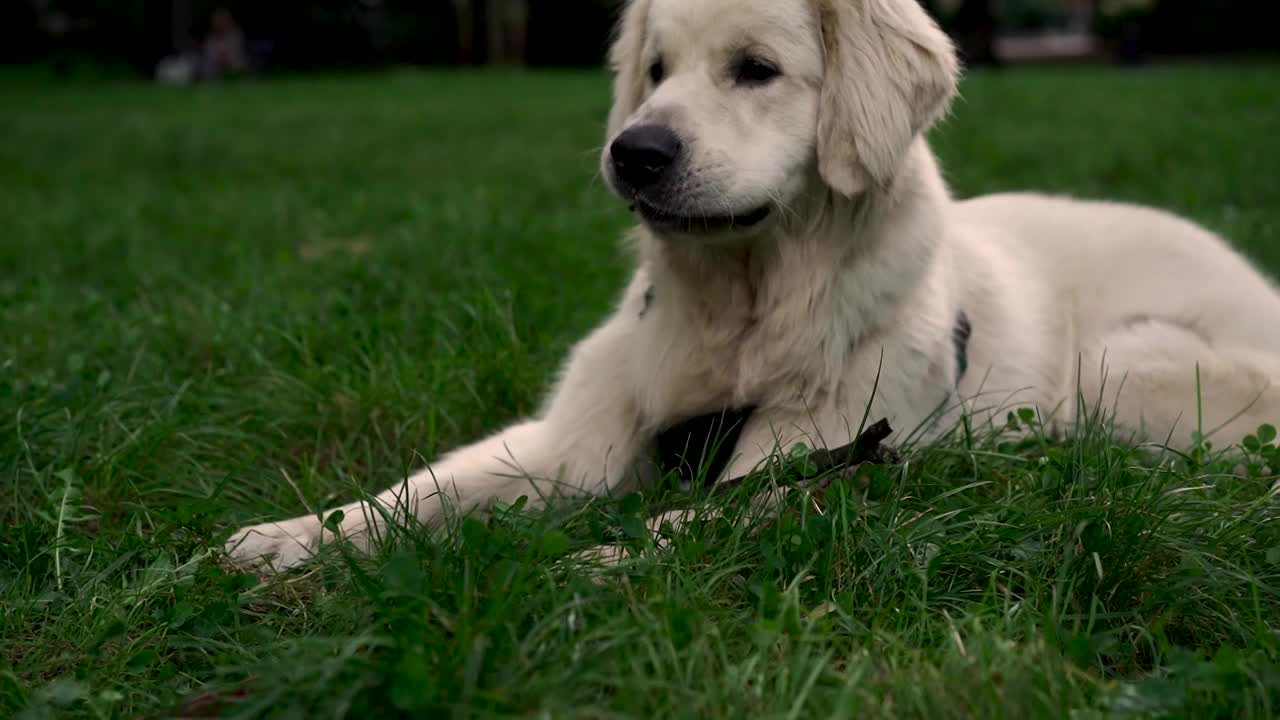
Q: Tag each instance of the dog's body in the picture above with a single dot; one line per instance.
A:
(839, 276)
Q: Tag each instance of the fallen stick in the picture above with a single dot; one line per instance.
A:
(868, 447)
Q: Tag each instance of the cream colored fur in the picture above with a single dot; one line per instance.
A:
(855, 281)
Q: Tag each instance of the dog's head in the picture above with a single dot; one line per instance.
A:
(726, 111)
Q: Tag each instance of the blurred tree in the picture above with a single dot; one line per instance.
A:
(465, 14)
(565, 33)
(1183, 26)
(330, 33)
(21, 38)
(974, 25)
(1177, 27)
(508, 28)
(1034, 15)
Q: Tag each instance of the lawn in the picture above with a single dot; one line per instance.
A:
(234, 303)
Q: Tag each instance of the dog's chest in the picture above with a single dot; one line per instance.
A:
(734, 359)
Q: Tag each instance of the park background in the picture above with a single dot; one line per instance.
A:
(283, 36)
(251, 272)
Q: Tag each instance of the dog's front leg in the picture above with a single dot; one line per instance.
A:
(585, 441)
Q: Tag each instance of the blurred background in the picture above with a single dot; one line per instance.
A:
(184, 41)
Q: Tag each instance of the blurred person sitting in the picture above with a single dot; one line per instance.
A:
(224, 47)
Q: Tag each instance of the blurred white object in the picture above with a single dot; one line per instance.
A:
(177, 70)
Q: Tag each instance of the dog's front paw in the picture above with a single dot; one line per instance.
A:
(278, 546)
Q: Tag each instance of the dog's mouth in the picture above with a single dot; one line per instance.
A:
(665, 221)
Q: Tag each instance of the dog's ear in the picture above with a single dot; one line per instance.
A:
(890, 73)
(626, 60)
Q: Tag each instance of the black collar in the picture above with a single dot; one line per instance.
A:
(960, 335)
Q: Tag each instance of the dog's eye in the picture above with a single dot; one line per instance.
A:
(755, 71)
(657, 71)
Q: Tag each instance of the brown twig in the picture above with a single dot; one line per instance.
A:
(866, 448)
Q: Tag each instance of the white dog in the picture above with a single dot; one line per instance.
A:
(800, 255)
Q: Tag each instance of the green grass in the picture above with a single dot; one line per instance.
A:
(233, 303)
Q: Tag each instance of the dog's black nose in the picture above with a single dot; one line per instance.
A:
(643, 154)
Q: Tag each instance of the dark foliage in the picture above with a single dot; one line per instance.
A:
(298, 34)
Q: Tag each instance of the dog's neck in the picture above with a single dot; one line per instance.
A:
(872, 250)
